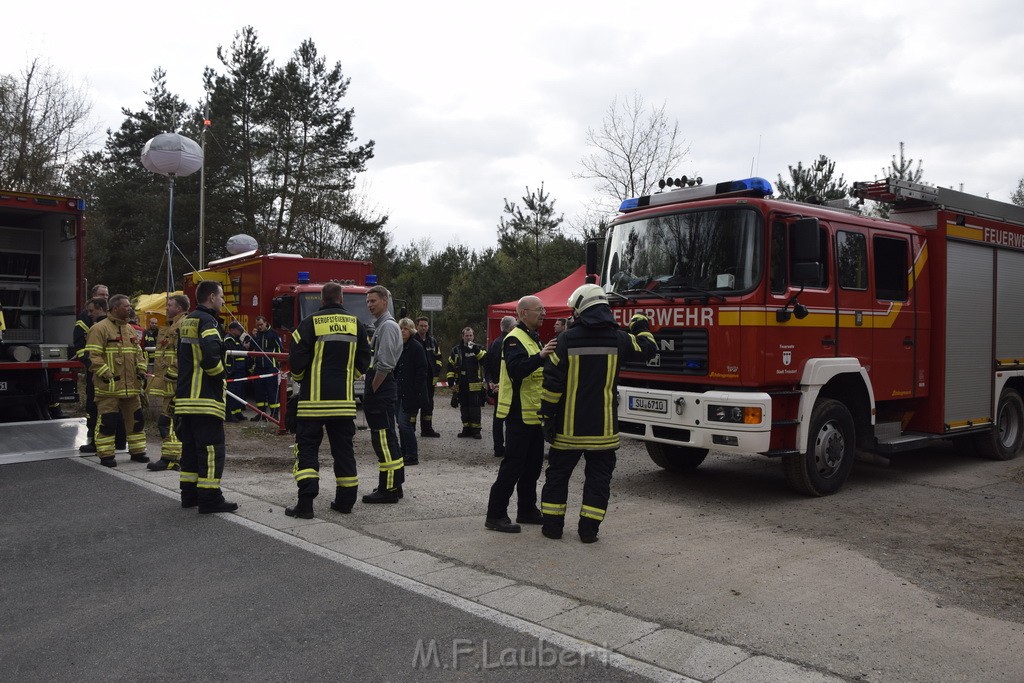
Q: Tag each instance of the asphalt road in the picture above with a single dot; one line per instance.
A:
(103, 579)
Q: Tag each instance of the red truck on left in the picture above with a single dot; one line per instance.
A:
(42, 275)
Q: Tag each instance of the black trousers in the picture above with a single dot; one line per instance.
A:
(596, 487)
(235, 407)
(309, 434)
(469, 405)
(519, 470)
(379, 408)
(498, 428)
(427, 410)
(202, 457)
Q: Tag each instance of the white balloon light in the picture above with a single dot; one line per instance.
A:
(171, 154)
(239, 244)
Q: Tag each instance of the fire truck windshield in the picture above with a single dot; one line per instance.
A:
(715, 251)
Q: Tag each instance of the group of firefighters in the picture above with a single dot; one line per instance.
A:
(561, 392)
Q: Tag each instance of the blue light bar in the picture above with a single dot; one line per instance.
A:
(749, 187)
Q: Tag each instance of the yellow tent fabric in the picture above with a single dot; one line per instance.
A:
(153, 306)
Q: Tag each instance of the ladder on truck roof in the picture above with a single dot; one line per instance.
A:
(909, 195)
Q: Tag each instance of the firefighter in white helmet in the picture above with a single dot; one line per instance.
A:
(578, 407)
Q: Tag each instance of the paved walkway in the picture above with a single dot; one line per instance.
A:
(100, 560)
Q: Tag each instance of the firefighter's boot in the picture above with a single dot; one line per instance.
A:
(382, 494)
(214, 502)
(303, 509)
(588, 529)
(344, 499)
(189, 495)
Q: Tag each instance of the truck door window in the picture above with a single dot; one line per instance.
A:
(890, 268)
(852, 258)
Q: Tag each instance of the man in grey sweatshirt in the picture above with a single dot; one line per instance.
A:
(380, 398)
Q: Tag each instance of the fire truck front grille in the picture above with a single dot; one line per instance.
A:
(680, 351)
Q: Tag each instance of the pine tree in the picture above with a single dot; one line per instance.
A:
(815, 184)
(528, 228)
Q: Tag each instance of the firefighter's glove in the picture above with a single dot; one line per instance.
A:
(455, 400)
(639, 323)
(548, 427)
(548, 420)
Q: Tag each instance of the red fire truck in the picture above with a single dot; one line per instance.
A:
(41, 276)
(284, 288)
(805, 333)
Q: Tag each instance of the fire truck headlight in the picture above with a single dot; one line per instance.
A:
(750, 415)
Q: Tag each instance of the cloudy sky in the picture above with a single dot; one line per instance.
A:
(470, 102)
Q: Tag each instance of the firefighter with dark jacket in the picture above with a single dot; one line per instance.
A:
(238, 367)
(95, 310)
(578, 407)
(266, 340)
(411, 375)
(329, 350)
(466, 380)
(199, 402)
(492, 378)
(434, 361)
(118, 365)
(165, 382)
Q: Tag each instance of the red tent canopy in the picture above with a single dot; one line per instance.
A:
(553, 298)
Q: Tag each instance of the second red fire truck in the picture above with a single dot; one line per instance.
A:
(805, 333)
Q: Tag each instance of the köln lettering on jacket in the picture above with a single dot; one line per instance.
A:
(667, 316)
(333, 324)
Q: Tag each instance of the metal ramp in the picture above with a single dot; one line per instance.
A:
(42, 440)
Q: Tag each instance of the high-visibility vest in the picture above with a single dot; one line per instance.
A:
(528, 390)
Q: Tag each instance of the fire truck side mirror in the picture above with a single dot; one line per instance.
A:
(803, 238)
(806, 272)
(805, 251)
(591, 258)
(283, 312)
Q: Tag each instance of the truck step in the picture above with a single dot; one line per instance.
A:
(784, 423)
(907, 441)
(781, 452)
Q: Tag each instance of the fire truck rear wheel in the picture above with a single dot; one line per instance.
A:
(1003, 442)
(831, 449)
(676, 458)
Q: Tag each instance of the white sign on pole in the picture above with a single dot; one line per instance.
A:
(432, 302)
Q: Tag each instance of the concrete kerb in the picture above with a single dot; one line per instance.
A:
(615, 639)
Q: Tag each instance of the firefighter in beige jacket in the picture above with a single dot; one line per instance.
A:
(165, 381)
(118, 363)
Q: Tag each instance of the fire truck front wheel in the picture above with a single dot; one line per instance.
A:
(676, 458)
(831, 448)
(1004, 440)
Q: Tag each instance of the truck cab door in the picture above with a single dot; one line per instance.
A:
(801, 313)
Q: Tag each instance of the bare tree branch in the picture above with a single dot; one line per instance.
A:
(633, 148)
